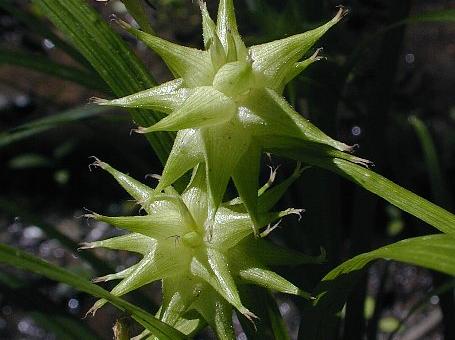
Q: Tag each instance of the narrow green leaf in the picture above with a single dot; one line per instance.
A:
(138, 11)
(444, 15)
(109, 56)
(404, 199)
(438, 187)
(40, 125)
(20, 259)
(45, 65)
(436, 252)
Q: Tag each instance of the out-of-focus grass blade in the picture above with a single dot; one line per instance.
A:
(436, 252)
(13, 210)
(400, 197)
(45, 65)
(62, 327)
(20, 259)
(46, 123)
(444, 15)
(440, 193)
(37, 26)
(138, 10)
(110, 57)
(59, 322)
(270, 323)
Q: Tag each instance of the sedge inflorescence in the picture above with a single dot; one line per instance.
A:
(227, 107)
(200, 269)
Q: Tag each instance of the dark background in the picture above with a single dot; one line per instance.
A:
(373, 81)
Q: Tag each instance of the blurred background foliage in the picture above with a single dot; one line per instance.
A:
(387, 85)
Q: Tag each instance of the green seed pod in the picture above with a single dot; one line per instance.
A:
(227, 106)
(200, 267)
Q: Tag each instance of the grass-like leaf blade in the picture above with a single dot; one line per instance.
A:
(110, 57)
(400, 197)
(43, 124)
(442, 15)
(47, 66)
(430, 155)
(20, 259)
(435, 252)
(138, 10)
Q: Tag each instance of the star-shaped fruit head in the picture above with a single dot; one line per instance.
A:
(226, 104)
(200, 268)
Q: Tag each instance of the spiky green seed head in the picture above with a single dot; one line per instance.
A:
(227, 106)
(200, 267)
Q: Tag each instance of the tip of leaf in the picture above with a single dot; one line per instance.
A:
(97, 163)
(342, 12)
(98, 101)
(99, 279)
(121, 23)
(141, 130)
(86, 245)
(202, 5)
(98, 304)
(92, 215)
(269, 229)
(316, 56)
(294, 211)
(250, 316)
